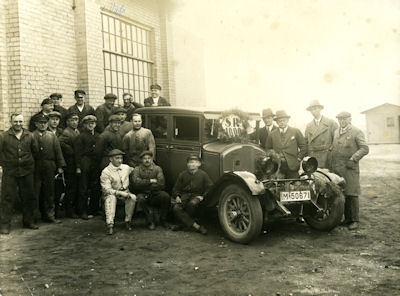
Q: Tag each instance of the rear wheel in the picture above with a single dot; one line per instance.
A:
(240, 214)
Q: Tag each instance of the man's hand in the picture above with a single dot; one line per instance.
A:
(351, 164)
(60, 170)
(200, 198)
(178, 199)
(152, 181)
(78, 171)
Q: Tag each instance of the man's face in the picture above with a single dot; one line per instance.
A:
(90, 125)
(56, 101)
(116, 160)
(193, 164)
(122, 116)
(41, 125)
(137, 122)
(127, 100)
(109, 103)
(47, 108)
(155, 92)
(80, 99)
(73, 122)
(17, 122)
(268, 120)
(316, 111)
(147, 160)
(283, 122)
(54, 121)
(114, 125)
(344, 122)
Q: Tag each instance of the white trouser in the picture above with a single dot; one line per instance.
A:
(110, 204)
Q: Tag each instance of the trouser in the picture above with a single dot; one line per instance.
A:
(11, 185)
(155, 205)
(88, 192)
(59, 191)
(186, 210)
(288, 173)
(44, 187)
(351, 209)
(71, 193)
(110, 205)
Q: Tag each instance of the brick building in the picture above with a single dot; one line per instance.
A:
(99, 46)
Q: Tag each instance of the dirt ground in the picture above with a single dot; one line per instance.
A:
(77, 258)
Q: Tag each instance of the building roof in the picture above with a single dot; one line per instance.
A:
(380, 106)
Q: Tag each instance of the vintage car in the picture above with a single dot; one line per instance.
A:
(248, 190)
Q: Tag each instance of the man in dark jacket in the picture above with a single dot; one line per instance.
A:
(47, 106)
(16, 157)
(268, 118)
(348, 147)
(155, 99)
(104, 111)
(48, 161)
(130, 106)
(57, 99)
(80, 107)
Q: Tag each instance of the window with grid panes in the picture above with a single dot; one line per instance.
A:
(127, 58)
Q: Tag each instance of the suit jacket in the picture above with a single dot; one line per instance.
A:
(87, 110)
(291, 146)
(319, 140)
(263, 134)
(149, 102)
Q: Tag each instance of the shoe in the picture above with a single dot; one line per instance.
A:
(202, 230)
(344, 223)
(84, 217)
(300, 220)
(110, 230)
(152, 226)
(90, 216)
(128, 226)
(53, 220)
(176, 227)
(353, 226)
(31, 226)
(5, 229)
(165, 224)
(73, 216)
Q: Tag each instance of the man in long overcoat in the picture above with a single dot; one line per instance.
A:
(349, 146)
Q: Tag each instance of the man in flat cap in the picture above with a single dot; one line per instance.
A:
(188, 192)
(54, 123)
(289, 143)
(104, 111)
(155, 99)
(126, 126)
(108, 140)
(81, 108)
(348, 147)
(67, 140)
(319, 135)
(269, 126)
(47, 106)
(114, 181)
(130, 105)
(49, 161)
(16, 158)
(87, 168)
(57, 101)
(148, 183)
(139, 139)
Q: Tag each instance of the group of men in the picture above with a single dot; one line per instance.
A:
(338, 148)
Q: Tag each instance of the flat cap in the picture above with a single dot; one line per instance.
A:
(115, 152)
(281, 114)
(314, 103)
(114, 118)
(89, 118)
(79, 91)
(119, 110)
(70, 115)
(343, 115)
(110, 96)
(56, 96)
(193, 157)
(40, 118)
(46, 101)
(54, 114)
(146, 152)
(267, 113)
(155, 86)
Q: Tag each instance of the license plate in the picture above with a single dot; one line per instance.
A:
(295, 195)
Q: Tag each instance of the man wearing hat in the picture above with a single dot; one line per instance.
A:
(114, 181)
(188, 192)
(87, 168)
(104, 111)
(269, 126)
(57, 100)
(54, 123)
(319, 135)
(148, 183)
(47, 106)
(155, 99)
(348, 147)
(67, 140)
(289, 143)
(139, 139)
(108, 140)
(16, 158)
(130, 106)
(126, 126)
(80, 107)
(49, 161)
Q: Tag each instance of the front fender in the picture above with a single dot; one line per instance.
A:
(253, 184)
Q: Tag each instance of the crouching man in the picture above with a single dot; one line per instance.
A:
(114, 181)
(189, 190)
(148, 182)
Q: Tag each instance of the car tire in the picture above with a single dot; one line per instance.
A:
(240, 214)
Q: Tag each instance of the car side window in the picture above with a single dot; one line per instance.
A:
(186, 128)
(158, 126)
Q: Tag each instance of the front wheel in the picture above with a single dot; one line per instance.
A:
(240, 214)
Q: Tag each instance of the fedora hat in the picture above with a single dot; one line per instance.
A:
(281, 114)
(314, 103)
(267, 113)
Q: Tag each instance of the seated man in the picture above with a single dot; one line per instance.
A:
(189, 190)
(114, 181)
(148, 183)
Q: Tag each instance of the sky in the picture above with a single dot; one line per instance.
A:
(284, 53)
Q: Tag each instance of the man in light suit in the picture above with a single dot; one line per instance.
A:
(155, 99)
(319, 135)
(268, 118)
(289, 143)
